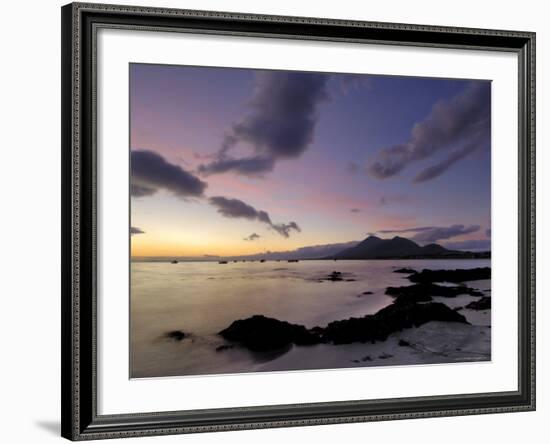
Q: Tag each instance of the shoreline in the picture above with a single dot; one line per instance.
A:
(230, 260)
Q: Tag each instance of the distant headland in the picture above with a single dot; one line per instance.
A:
(402, 248)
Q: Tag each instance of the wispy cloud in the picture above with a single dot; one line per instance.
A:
(474, 245)
(433, 234)
(150, 172)
(279, 125)
(355, 210)
(235, 208)
(252, 237)
(456, 128)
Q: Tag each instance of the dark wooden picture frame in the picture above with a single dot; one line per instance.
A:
(80, 419)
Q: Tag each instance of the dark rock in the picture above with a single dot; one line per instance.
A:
(368, 292)
(318, 331)
(260, 333)
(424, 291)
(403, 343)
(460, 275)
(394, 317)
(366, 358)
(177, 335)
(405, 270)
(385, 356)
(336, 276)
(224, 347)
(458, 308)
(482, 304)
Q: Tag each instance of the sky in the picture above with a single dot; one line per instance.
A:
(229, 161)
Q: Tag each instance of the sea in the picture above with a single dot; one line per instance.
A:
(202, 298)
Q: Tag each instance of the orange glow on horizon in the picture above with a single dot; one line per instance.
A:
(153, 247)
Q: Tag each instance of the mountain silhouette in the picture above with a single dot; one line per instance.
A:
(396, 248)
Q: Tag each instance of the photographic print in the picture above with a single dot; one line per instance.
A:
(286, 220)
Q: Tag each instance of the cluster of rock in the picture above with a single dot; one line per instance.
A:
(455, 276)
(260, 333)
(481, 304)
(423, 292)
(336, 276)
(390, 319)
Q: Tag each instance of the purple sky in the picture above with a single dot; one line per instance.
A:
(301, 159)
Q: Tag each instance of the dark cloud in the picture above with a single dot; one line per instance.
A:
(285, 229)
(141, 191)
(280, 124)
(252, 237)
(433, 234)
(438, 233)
(355, 210)
(456, 127)
(397, 199)
(235, 208)
(472, 245)
(136, 230)
(439, 168)
(151, 172)
(247, 166)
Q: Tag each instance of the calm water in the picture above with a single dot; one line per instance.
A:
(202, 298)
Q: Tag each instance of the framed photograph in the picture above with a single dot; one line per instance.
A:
(282, 221)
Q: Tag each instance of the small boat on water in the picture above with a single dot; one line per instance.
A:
(262, 260)
(293, 260)
(222, 262)
(174, 261)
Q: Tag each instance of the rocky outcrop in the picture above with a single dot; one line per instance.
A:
(405, 270)
(260, 333)
(423, 292)
(482, 304)
(460, 275)
(394, 317)
(176, 335)
(337, 276)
